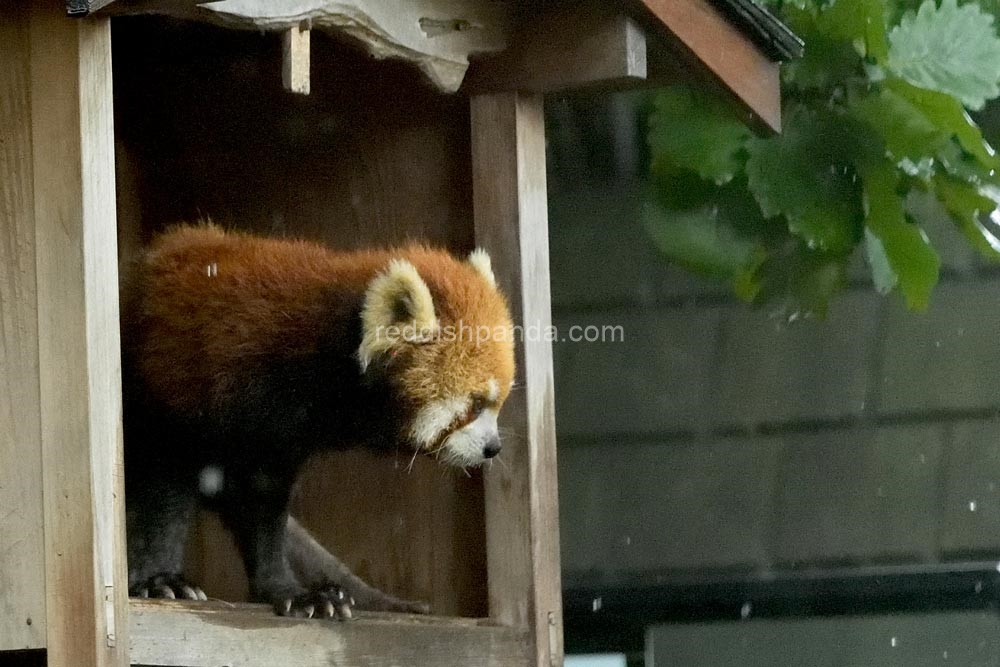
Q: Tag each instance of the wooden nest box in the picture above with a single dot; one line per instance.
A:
(119, 118)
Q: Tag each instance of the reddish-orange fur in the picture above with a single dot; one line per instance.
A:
(214, 299)
(244, 356)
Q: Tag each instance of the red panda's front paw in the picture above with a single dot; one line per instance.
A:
(167, 586)
(326, 602)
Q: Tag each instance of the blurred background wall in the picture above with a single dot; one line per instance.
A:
(717, 449)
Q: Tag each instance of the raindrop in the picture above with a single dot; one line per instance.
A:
(595, 605)
(972, 505)
(745, 610)
(979, 587)
(893, 642)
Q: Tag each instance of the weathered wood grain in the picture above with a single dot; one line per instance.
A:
(717, 46)
(436, 35)
(22, 563)
(78, 349)
(522, 524)
(169, 634)
(575, 46)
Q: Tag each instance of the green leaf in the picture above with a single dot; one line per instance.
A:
(824, 64)
(806, 175)
(827, 61)
(951, 49)
(973, 210)
(902, 249)
(883, 276)
(799, 283)
(948, 114)
(861, 22)
(904, 128)
(961, 165)
(693, 130)
(697, 239)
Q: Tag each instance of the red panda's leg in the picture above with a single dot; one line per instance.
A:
(258, 523)
(315, 566)
(159, 512)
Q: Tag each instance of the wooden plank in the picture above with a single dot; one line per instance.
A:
(183, 634)
(522, 525)
(295, 60)
(78, 349)
(22, 565)
(438, 36)
(582, 45)
(710, 42)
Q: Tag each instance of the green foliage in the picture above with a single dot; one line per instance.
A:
(709, 144)
(953, 50)
(876, 109)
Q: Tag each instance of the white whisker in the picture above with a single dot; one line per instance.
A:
(409, 467)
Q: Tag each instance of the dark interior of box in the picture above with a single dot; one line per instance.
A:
(373, 156)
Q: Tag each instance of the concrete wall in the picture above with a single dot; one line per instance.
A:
(715, 438)
(969, 639)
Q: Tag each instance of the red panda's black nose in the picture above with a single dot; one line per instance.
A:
(492, 448)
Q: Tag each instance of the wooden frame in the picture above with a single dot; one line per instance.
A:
(67, 110)
(22, 551)
(706, 41)
(62, 560)
(508, 149)
(179, 634)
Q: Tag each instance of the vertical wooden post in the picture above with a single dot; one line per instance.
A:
(78, 348)
(508, 166)
(22, 567)
(295, 57)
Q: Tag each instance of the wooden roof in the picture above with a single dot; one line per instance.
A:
(531, 45)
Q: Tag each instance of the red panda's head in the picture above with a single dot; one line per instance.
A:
(443, 332)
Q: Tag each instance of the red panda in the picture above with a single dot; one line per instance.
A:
(243, 356)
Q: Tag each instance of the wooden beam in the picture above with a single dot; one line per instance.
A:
(709, 41)
(22, 564)
(438, 36)
(295, 59)
(207, 634)
(571, 47)
(78, 349)
(522, 522)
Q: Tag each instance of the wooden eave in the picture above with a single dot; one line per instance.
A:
(539, 47)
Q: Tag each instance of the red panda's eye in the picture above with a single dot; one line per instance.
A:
(478, 404)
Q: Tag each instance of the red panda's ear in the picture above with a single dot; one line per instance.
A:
(398, 310)
(480, 261)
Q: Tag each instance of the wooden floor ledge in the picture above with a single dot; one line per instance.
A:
(216, 634)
